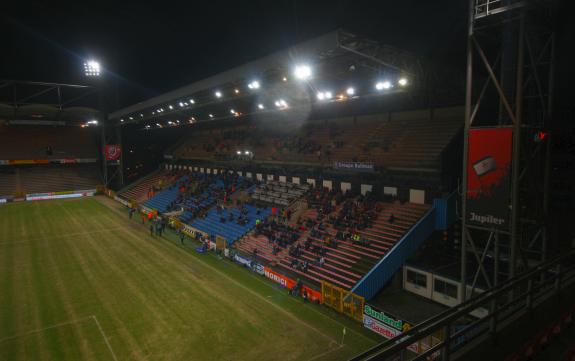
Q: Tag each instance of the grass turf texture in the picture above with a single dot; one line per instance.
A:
(79, 281)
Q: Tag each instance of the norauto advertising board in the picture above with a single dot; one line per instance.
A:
(286, 282)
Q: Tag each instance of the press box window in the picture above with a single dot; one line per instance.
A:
(416, 278)
(446, 288)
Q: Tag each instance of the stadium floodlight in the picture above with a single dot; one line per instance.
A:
(153, 113)
(148, 126)
(402, 81)
(239, 152)
(324, 95)
(383, 85)
(95, 122)
(122, 120)
(254, 85)
(131, 118)
(211, 115)
(350, 91)
(236, 90)
(232, 111)
(171, 107)
(280, 103)
(92, 68)
(247, 152)
(192, 101)
(261, 106)
(141, 115)
(284, 79)
(181, 104)
(302, 72)
(218, 94)
(159, 125)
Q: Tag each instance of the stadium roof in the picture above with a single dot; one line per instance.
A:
(25, 102)
(343, 66)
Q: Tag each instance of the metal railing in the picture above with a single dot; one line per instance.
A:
(491, 7)
(506, 302)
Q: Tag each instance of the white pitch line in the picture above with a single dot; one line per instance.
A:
(326, 353)
(45, 329)
(311, 307)
(104, 336)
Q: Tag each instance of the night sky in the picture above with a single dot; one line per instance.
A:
(155, 47)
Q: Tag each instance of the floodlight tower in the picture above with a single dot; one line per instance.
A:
(509, 98)
(112, 169)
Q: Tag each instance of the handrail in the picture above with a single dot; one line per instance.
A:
(445, 319)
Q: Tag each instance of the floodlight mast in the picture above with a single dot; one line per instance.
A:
(93, 70)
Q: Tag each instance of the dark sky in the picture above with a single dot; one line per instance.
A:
(152, 47)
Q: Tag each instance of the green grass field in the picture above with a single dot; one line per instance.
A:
(79, 281)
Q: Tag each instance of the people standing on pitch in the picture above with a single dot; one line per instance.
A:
(182, 235)
(152, 230)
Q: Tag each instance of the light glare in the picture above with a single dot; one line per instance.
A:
(302, 72)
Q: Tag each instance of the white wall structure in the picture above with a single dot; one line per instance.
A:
(417, 196)
(202, 170)
(392, 191)
(240, 173)
(417, 281)
(215, 171)
(311, 181)
(327, 184)
(209, 170)
(282, 178)
(249, 174)
(445, 291)
(295, 180)
(366, 188)
(195, 169)
(259, 176)
(345, 186)
(270, 177)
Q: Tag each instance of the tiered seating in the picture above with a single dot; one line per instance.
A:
(195, 202)
(139, 192)
(30, 142)
(346, 264)
(402, 140)
(54, 178)
(166, 197)
(265, 249)
(280, 193)
(7, 181)
(230, 230)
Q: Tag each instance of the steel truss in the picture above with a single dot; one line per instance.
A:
(510, 56)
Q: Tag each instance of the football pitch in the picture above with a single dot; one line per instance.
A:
(79, 281)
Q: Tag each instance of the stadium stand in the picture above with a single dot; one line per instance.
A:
(403, 140)
(337, 239)
(230, 223)
(165, 198)
(279, 193)
(8, 181)
(146, 187)
(48, 178)
(46, 142)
